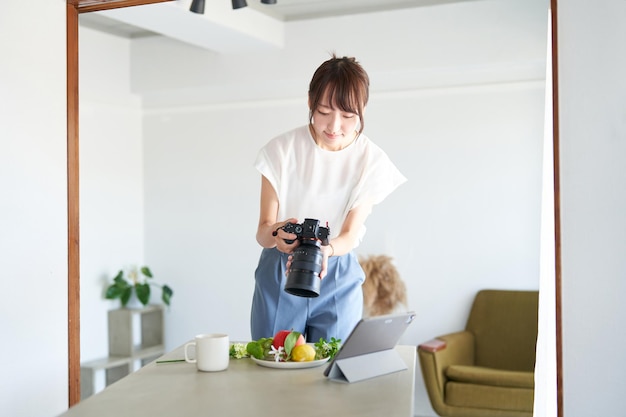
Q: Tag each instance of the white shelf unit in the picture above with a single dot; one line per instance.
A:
(97, 374)
(135, 339)
(135, 331)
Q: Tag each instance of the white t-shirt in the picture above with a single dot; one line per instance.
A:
(325, 185)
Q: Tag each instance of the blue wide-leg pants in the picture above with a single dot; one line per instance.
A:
(334, 313)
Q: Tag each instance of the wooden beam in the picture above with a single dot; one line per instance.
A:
(73, 249)
(557, 207)
(84, 6)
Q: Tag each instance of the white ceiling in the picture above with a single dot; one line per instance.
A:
(288, 10)
(283, 10)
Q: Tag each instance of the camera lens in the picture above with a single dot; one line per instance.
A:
(303, 279)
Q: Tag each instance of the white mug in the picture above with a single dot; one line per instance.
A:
(211, 352)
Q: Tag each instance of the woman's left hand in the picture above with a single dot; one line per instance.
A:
(323, 271)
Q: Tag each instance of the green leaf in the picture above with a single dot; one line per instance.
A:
(166, 294)
(113, 292)
(290, 342)
(125, 296)
(146, 271)
(119, 278)
(143, 292)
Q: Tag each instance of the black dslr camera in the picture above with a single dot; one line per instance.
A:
(303, 279)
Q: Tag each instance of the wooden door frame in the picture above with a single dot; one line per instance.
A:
(74, 8)
(557, 204)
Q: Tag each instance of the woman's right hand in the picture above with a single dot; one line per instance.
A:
(280, 237)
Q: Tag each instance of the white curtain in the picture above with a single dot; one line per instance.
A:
(545, 366)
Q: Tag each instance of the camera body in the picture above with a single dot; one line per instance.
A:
(306, 263)
(309, 230)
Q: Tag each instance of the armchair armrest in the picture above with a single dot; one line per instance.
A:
(433, 346)
(437, 355)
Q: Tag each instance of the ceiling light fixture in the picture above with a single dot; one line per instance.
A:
(238, 4)
(197, 6)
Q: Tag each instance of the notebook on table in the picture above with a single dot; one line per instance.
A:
(369, 350)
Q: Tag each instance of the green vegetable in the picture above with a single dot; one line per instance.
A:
(255, 350)
(324, 349)
(259, 348)
(238, 351)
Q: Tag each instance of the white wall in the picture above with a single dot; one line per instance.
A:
(33, 209)
(111, 179)
(593, 203)
(461, 114)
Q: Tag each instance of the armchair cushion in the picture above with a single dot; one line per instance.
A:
(489, 398)
(490, 377)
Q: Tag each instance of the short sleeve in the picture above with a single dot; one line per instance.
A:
(379, 179)
(266, 165)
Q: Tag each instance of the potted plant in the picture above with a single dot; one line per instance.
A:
(139, 281)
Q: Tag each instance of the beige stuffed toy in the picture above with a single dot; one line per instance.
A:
(383, 290)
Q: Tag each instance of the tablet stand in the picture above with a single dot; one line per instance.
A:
(370, 365)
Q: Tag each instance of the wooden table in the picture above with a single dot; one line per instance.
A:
(247, 389)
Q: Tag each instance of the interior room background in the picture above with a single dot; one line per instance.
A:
(33, 207)
(170, 131)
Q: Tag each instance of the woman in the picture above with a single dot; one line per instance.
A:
(330, 171)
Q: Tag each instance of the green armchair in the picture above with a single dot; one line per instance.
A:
(487, 370)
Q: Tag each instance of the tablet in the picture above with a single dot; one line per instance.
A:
(371, 335)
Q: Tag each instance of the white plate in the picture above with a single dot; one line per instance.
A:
(289, 364)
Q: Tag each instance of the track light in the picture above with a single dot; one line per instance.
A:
(238, 4)
(197, 6)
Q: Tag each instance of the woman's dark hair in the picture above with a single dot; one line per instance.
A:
(347, 85)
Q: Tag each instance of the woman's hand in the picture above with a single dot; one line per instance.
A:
(326, 251)
(325, 254)
(280, 237)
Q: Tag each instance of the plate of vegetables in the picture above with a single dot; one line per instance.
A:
(287, 350)
(289, 364)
